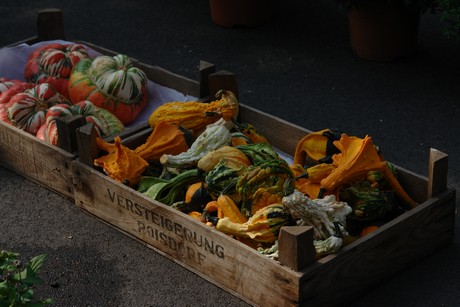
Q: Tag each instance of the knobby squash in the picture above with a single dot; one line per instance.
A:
(121, 163)
(195, 115)
(263, 226)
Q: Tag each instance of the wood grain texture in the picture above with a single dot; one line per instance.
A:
(375, 258)
(295, 247)
(437, 172)
(36, 160)
(216, 256)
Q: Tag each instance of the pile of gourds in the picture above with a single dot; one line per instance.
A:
(202, 162)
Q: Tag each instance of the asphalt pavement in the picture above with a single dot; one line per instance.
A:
(299, 67)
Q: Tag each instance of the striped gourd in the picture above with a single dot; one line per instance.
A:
(27, 110)
(53, 63)
(105, 123)
(112, 83)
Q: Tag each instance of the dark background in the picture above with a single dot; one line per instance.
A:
(298, 67)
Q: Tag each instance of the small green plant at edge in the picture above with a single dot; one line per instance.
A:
(16, 281)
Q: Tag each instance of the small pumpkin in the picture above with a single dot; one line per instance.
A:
(6, 84)
(27, 110)
(53, 63)
(111, 83)
(105, 123)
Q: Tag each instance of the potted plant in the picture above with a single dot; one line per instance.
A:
(383, 30)
(247, 13)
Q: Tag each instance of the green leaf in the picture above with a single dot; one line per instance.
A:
(36, 263)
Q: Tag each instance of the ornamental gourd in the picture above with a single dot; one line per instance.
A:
(9, 88)
(111, 83)
(105, 123)
(53, 64)
(27, 110)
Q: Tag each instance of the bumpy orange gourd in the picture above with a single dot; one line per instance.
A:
(195, 115)
(121, 163)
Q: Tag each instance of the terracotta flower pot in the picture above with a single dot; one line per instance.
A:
(247, 13)
(384, 32)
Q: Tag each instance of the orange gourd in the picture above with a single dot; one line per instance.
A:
(166, 138)
(196, 115)
(121, 163)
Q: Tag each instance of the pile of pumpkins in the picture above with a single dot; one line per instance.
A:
(63, 80)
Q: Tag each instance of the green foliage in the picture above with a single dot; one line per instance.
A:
(450, 14)
(16, 281)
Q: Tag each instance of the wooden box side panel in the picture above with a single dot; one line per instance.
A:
(281, 134)
(36, 160)
(382, 254)
(221, 259)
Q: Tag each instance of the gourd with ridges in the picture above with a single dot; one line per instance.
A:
(264, 184)
(263, 226)
(105, 123)
(53, 64)
(112, 83)
(27, 110)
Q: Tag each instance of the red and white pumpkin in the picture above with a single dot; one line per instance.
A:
(27, 110)
(6, 84)
(53, 64)
(106, 123)
(9, 88)
(111, 83)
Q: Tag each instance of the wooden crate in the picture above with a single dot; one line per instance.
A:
(48, 165)
(299, 281)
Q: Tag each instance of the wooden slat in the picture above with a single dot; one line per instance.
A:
(280, 133)
(295, 247)
(36, 160)
(50, 24)
(372, 260)
(437, 172)
(218, 257)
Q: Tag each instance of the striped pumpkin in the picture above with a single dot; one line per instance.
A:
(53, 64)
(6, 84)
(105, 123)
(27, 110)
(112, 83)
(9, 88)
